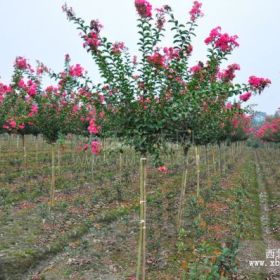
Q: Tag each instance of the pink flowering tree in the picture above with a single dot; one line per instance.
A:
(17, 100)
(238, 127)
(60, 111)
(157, 95)
(270, 130)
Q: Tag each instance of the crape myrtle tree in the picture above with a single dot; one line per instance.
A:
(61, 110)
(53, 111)
(158, 94)
(17, 102)
(269, 131)
(17, 99)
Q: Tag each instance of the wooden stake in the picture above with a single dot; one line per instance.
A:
(141, 259)
(53, 175)
(197, 159)
(182, 196)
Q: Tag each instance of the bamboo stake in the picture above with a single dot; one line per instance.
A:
(141, 258)
(36, 149)
(24, 158)
(92, 164)
(120, 163)
(213, 158)
(58, 158)
(53, 175)
(17, 142)
(197, 159)
(182, 196)
(220, 158)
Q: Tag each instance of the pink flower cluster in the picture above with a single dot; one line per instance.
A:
(4, 90)
(33, 111)
(118, 47)
(160, 18)
(163, 169)
(222, 41)
(196, 68)
(196, 12)
(228, 106)
(245, 96)
(144, 8)
(270, 130)
(10, 124)
(171, 53)
(93, 128)
(21, 63)
(30, 87)
(157, 60)
(76, 70)
(96, 147)
(228, 74)
(241, 121)
(92, 40)
(259, 83)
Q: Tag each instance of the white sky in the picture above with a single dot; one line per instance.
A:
(38, 29)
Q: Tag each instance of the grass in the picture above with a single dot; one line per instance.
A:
(93, 228)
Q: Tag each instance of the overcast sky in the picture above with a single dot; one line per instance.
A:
(39, 30)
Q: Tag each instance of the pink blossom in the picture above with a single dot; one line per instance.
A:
(228, 74)
(144, 8)
(157, 60)
(223, 42)
(92, 40)
(76, 70)
(235, 123)
(93, 128)
(33, 111)
(259, 83)
(228, 106)
(195, 69)
(171, 53)
(21, 63)
(118, 47)
(160, 18)
(214, 33)
(21, 126)
(245, 96)
(21, 84)
(10, 124)
(96, 147)
(3, 91)
(196, 12)
(31, 88)
(51, 89)
(75, 108)
(163, 169)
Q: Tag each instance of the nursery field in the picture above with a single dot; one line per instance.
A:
(90, 229)
(154, 162)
